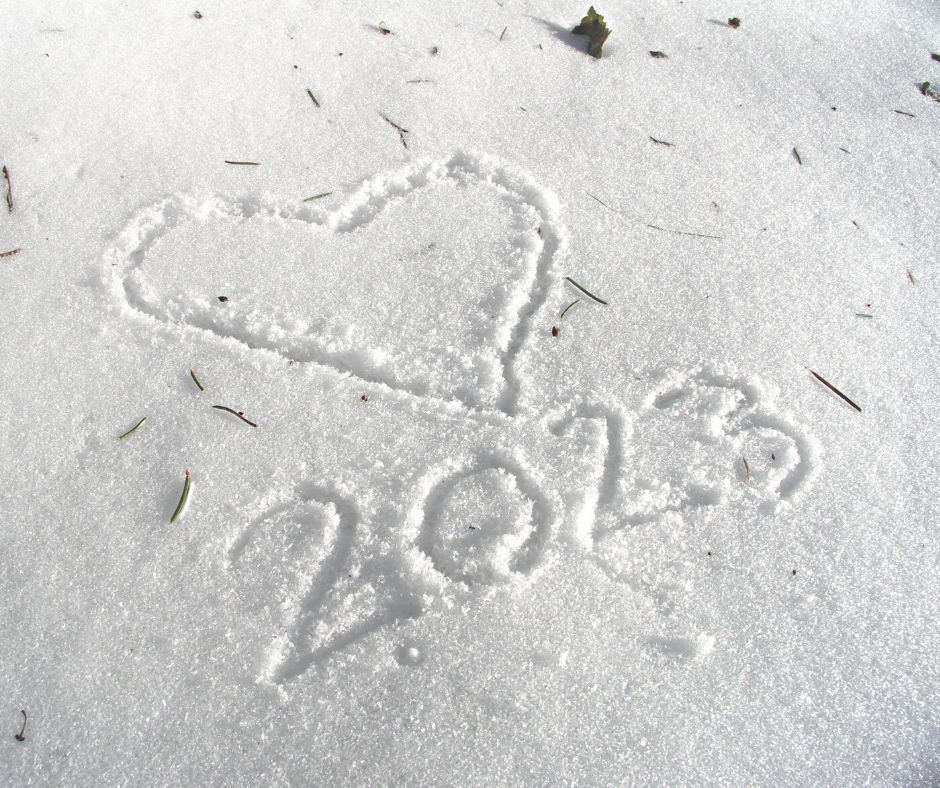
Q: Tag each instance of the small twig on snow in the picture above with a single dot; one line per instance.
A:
(832, 388)
(239, 413)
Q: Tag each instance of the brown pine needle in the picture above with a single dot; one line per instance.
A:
(662, 142)
(832, 388)
(598, 199)
(683, 232)
(6, 174)
(313, 98)
(401, 132)
(240, 414)
(245, 163)
(747, 469)
(796, 155)
(503, 33)
(393, 124)
(656, 226)
(10, 253)
(911, 277)
(317, 196)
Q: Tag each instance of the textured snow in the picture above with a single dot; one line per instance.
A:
(459, 547)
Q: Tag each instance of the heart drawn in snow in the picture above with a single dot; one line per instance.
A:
(425, 279)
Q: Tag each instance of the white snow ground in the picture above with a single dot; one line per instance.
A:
(523, 558)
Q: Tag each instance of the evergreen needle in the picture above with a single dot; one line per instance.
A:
(132, 430)
(184, 499)
(587, 292)
(565, 310)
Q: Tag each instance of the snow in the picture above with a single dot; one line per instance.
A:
(459, 547)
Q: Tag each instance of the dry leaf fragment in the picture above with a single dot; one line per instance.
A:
(929, 90)
(594, 27)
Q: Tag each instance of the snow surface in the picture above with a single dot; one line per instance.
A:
(457, 549)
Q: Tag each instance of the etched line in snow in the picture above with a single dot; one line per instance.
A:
(616, 431)
(687, 443)
(307, 544)
(484, 521)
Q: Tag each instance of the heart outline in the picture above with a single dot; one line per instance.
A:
(127, 253)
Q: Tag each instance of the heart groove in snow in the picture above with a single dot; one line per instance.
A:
(425, 279)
